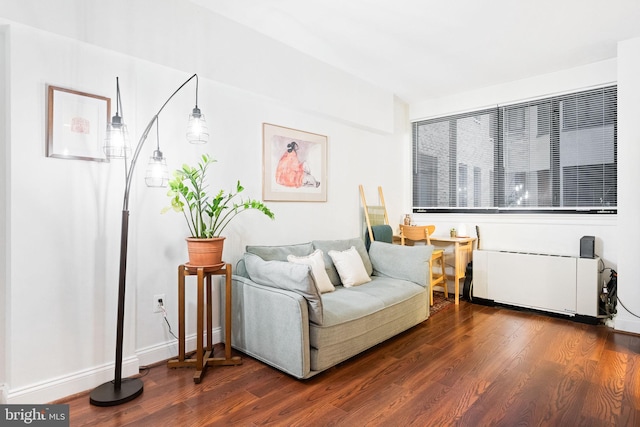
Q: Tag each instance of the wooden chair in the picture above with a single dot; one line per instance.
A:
(420, 233)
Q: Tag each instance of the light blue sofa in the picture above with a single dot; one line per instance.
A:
(274, 300)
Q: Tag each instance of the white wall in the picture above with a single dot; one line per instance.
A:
(63, 290)
(4, 167)
(185, 36)
(628, 178)
(63, 225)
(596, 74)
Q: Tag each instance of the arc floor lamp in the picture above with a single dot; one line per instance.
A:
(117, 145)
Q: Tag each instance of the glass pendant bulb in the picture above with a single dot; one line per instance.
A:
(197, 130)
(157, 174)
(117, 144)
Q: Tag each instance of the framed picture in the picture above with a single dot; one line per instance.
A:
(294, 165)
(76, 124)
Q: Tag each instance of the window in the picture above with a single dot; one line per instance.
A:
(556, 154)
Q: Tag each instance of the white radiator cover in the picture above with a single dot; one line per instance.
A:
(553, 283)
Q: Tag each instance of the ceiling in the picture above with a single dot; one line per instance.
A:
(421, 49)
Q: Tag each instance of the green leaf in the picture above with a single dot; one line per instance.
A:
(206, 216)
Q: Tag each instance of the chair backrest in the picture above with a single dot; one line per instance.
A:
(417, 232)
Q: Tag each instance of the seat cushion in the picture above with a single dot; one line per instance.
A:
(360, 317)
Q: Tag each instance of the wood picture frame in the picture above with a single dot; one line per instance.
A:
(294, 165)
(76, 124)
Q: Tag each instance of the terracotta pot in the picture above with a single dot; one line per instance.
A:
(205, 252)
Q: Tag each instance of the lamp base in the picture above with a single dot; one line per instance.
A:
(107, 395)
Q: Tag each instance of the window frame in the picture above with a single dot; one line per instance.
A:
(496, 176)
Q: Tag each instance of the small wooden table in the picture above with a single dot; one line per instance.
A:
(204, 355)
(462, 254)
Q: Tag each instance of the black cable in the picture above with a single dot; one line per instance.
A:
(170, 331)
(144, 371)
(617, 296)
(164, 314)
(628, 311)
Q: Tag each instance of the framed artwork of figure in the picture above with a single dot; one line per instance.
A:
(294, 165)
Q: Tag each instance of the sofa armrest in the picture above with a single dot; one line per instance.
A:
(401, 262)
(269, 324)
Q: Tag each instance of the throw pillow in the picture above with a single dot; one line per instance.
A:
(289, 276)
(350, 267)
(279, 253)
(342, 245)
(401, 262)
(316, 261)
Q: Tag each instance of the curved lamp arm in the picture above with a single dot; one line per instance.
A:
(143, 138)
(134, 159)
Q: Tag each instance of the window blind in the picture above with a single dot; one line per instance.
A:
(557, 153)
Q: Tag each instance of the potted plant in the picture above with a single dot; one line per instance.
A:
(207, 214)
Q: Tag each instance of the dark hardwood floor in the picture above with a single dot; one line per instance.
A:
(470, 365)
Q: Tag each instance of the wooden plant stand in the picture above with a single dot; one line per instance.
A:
(204, 354)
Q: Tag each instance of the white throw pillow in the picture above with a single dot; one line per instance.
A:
(350, 267)
(318, 269)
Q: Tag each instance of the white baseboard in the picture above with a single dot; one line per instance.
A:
(3, 394)
(631, 325)
(58, 388)
(61, 387)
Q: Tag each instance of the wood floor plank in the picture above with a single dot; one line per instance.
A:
(604, 401)
(417, 406)
(630, 407)
(470, 365)
(491, 408)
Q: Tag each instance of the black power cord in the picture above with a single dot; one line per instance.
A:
(614, 274)
(164, 314)
(628, 311)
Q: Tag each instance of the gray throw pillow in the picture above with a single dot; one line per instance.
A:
(342, 245)
(280, 253)
(401, 262)
(289, 276)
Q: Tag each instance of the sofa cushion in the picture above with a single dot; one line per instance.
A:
(350, 267)
(359, 317)
(316, 261)
(289, 276)
(401, 262)
(280, 253)
(349, 304)
(342, 245)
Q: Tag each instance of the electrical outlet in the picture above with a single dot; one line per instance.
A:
(158, 302)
